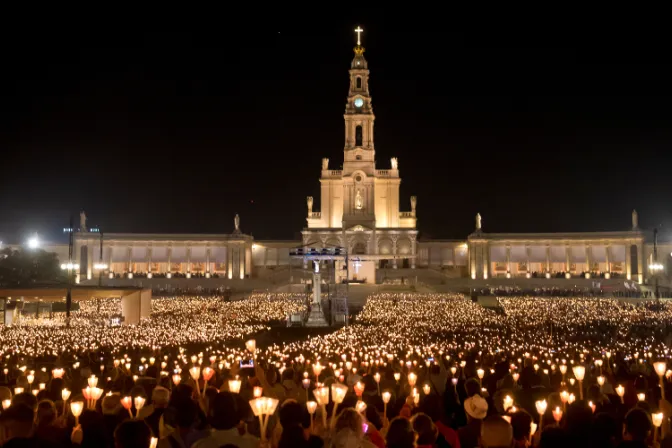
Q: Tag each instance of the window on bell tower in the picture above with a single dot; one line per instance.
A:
(359, 82)
(358, 135)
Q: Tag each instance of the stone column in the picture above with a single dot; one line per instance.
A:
(589, 257)
(568, 258)
(317, 287)
(149, 261)
(109, 259)
(454, 258)
(485, 248)
(394, 251)
(628, 262)
(248, 260)
(529, 266)
(229, 260)
(241, 261)
(188, 262)
(508, 259)
(305, 250)
(640, 263)
(548, 258)
(265, 262)
(608, 258)
(170, 256)
(89, 260)
(130, 262)
(471, 255)
(413, 251)
(207, 261)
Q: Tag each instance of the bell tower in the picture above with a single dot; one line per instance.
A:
(358, 152)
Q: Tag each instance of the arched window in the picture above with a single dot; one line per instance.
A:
(359, 82)
(359, 248)
(358, 135)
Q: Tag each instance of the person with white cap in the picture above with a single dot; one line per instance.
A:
(476, 409)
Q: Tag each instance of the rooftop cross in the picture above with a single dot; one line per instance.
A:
(359, 32)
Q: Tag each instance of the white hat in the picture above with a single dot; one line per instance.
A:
(476, 407)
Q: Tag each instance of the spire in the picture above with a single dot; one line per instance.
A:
(359, 62)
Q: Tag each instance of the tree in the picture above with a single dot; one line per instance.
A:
(28, 267)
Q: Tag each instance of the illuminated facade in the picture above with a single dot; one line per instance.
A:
(359, 204)
(359, 210)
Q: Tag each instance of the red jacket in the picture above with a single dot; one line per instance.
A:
(449, 434)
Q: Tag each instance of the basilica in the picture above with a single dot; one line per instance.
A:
(361, 229)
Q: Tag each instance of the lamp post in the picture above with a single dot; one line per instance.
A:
(71, 268)
(655, 267)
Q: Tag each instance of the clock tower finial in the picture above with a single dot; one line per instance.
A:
(359, 153)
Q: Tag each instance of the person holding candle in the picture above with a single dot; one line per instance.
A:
(293, 428)
(90, 432)
(375, 426)
(400, 434)
(16, 425)
(476, 409)
(433, 407)
(160, 400)
(521, 424)
(132, 434)
(348, 431)
(225, 418)
(48, 429)
(636, 429)
(496, 433)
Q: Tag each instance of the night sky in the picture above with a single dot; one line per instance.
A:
(178, 128)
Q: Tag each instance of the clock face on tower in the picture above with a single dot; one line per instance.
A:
(359, 102)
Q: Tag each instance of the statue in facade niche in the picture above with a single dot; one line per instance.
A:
(395, 163)
(325, 164)
(309, 201)
(82, 221)
(359, 202)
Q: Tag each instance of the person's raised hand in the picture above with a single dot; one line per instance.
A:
(77, 435)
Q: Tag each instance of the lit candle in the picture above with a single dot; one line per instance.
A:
(508, 403)
(234, 386)
(620, 391)
(412, 378)
(76, 407)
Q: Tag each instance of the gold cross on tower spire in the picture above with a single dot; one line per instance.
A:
(359, 32)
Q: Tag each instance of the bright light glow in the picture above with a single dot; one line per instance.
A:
(620, 390)
(657, 419)
(34, 242)
(579, 372)
(76, 408)
(661, 367)
(100, 266)
(655, 267)
(359, 102)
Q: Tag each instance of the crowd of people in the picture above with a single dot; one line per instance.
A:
(425, 370)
